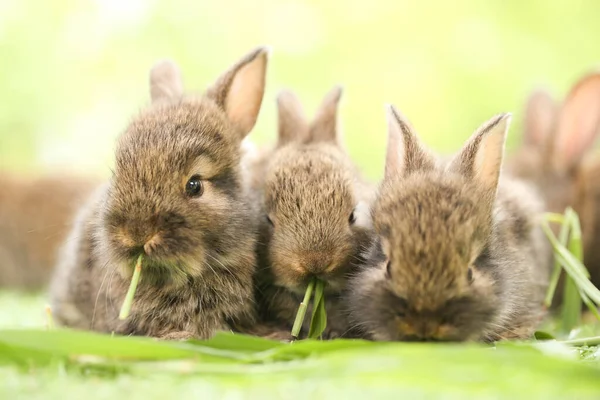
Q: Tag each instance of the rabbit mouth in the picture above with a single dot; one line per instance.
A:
(333, 285)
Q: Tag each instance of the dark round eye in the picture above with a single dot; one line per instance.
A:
(388, 268)
(352, 218)
(470, 275)
(269, 220)
(194, 187)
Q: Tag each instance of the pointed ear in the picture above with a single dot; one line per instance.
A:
(405, 154)
(292, 122)
(324, 127)
(165, 81)
(481, 157)
(540, 115)
(578, 122)
(239, 91)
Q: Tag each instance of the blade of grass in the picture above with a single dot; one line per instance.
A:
(572, 266)
(49, 319)
(562, 237)
(126, 307)
(590, 341)
(302, 310)
(318, 322)
(571, 307)
(554, 217)
(590, 305)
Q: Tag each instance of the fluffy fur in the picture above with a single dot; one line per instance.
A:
(458, 255)
(198, 251)
(314, 219)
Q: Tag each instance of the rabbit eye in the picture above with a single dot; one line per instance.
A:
(388, 268)
(269, 220)
(352, 218)
(194, 187)
(470, 275)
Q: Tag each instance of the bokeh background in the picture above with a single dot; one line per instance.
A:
(72, 72)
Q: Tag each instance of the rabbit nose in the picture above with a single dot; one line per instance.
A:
(135, 238)
(151, 245)
(317, 264)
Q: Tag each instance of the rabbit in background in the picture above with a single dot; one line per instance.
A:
(36, 214)
(557, 156)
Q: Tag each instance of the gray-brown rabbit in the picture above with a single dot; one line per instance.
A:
(36, 215)
(315, 219)
(177, 198)
(557, 156)
(459, 255)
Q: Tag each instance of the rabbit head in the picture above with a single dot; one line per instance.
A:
(433, 221)
(314, 222)
(175, 195)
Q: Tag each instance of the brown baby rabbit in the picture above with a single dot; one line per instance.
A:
(557, 157)
(315, 219)
(36, 215)
(459, 255)
(176, 198)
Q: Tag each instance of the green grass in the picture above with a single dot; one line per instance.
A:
(55, 363)
(36, 363)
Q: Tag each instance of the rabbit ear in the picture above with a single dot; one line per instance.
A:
(405, 153)
(579, 122)
(292, 122)
(239, 91)
(540, 115)
(165, 81)
(324, 127)
(481, 157)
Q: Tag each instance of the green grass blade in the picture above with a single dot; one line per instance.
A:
(301, 314)
(70, 343)
(590, 305)
(572, 266)
(126, 307)
(571, 307)
(318, 321)
(590, 341)
(563, 237)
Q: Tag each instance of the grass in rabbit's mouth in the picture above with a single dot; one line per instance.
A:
(126, 307)
(318, 321)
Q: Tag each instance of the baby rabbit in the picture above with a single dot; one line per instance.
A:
(557, 157)
(458, 256)
(176, 198)
(315, 220)
(36, 215)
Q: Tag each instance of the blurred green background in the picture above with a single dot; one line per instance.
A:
(74, 72)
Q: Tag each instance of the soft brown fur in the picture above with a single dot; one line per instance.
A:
(556, 155)
(458, 256)
(308, 187)
(36, 214)
(198, 251)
